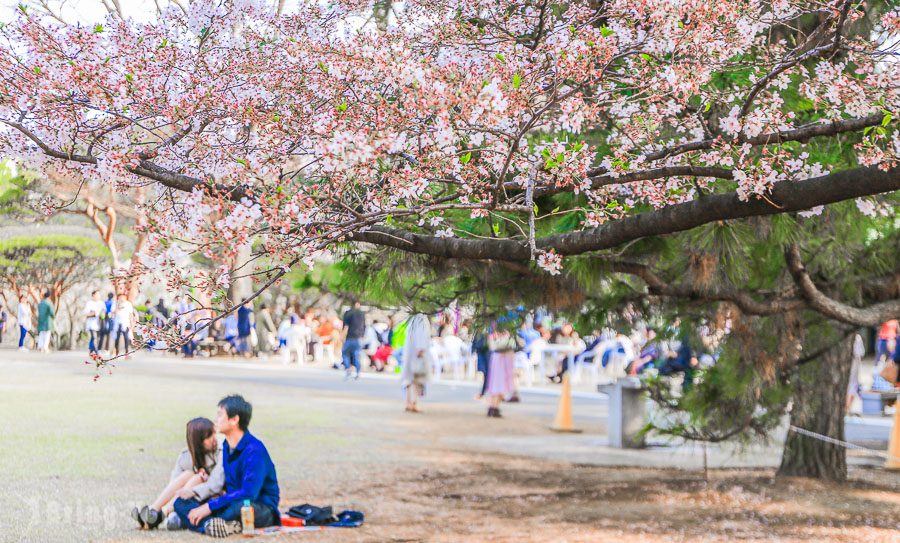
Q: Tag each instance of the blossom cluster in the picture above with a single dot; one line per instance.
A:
(292, 132)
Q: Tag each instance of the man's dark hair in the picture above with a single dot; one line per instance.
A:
(46, 294)
(109, 296)
(236, 405)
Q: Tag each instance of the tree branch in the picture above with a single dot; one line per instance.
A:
(870, 316)
(743, 300)
(788, 196)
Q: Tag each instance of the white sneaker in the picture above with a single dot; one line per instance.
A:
(23, 349)
(173, 522)
(219, 527)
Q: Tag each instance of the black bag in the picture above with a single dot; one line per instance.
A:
(312, 515)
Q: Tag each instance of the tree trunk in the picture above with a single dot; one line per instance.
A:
(240, 288)
(820, 392)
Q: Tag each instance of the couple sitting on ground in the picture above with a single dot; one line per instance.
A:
(211, 482)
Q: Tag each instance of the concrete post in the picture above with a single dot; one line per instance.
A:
(627, 413)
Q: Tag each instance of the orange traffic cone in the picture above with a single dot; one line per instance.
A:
(563, 421)
(893, 461)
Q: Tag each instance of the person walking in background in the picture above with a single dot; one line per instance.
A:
(501, 373)
(45, 323)
(23, 318)
(859, 350)
(265, 328)
(92, 312)
(354, 330)
(416, 360)
(3, 320)
(244, 329)
(123, 323)
(482, 354)
(162, 309)
(106, 323)
(887, 336)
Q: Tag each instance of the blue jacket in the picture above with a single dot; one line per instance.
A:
(243, 321)
(249, 475)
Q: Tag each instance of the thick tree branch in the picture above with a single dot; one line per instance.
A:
(870, 316)
(784, 197)
(743, 300)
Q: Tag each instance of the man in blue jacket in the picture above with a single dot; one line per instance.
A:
(249, 477)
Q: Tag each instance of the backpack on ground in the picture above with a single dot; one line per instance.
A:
(313, 515)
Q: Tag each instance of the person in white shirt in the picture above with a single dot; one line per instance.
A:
(92, 311)
(23, 317)
(297, 336)
(123, 322)
(185, 311)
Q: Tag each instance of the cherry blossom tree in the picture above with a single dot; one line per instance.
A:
(299, 131)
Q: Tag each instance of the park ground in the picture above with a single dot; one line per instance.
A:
(78, 454)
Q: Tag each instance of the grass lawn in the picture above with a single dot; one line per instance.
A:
(78, 454)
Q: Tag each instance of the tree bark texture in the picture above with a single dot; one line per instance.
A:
(820, 391)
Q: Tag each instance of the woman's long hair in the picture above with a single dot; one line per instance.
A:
(198, 430)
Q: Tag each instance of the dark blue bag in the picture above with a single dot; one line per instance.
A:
(349, 519)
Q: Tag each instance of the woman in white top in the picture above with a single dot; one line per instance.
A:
(416, 360)
(198, 474)
(23, 317)
(859, 351)
(123, 323)
(92, 311)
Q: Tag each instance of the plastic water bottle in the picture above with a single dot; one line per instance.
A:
(247, 519)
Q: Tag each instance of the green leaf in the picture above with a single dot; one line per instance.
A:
(500, 57)
(129, 77)
(708, 105)
(322, 66)
(517, 81)
(605, 31)
(560, 157)
(342, 106)
(887, 119)
(98, 29)
(645, 56)
(496, 229)
(37, 70)
(466, 158)
(546, 152)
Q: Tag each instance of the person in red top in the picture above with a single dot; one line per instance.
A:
(887, 339)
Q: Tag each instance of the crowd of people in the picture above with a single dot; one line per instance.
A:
(418, 347)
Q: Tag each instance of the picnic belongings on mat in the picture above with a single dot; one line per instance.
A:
(324, 516)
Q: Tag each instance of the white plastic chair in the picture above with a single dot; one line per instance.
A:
(455, 351)
(438, 358)
(527, 360)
